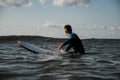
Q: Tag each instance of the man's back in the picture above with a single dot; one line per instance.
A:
(76, 43)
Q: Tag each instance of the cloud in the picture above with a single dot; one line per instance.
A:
(70, 2)
(15, 3)
(42, 1)
(51, 29)
(96, 27)
(115, 28)
(49, 25)
(67, 2)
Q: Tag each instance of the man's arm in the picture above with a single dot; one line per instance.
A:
(70, 40)
(67, 42)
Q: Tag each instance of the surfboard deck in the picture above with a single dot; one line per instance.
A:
(31, 47)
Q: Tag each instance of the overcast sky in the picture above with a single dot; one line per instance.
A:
(89, 18)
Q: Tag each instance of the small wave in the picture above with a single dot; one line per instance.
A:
(105, 61)
(7, 75)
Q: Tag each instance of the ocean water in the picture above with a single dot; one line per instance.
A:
(101, 61)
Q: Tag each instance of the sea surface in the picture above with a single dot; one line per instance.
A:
(101, 61)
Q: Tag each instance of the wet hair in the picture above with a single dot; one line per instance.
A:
(68, 27)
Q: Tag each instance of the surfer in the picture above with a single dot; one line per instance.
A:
(72, 42)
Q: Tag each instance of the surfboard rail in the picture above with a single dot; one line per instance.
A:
(31, 47)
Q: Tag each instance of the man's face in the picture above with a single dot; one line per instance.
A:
(66, 32)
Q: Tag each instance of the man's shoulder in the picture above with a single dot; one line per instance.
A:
(73, 35)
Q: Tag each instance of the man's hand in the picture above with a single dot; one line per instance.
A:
(60, 47)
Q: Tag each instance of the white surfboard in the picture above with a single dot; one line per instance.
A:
(32, 47)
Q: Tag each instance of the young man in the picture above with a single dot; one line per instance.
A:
(72, 42)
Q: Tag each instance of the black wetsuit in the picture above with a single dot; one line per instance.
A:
(75, 43)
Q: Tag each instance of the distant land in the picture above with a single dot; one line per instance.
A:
(30, 37)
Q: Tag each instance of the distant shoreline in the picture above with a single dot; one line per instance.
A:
(14, 38)
(36, 36)
(42, 39)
